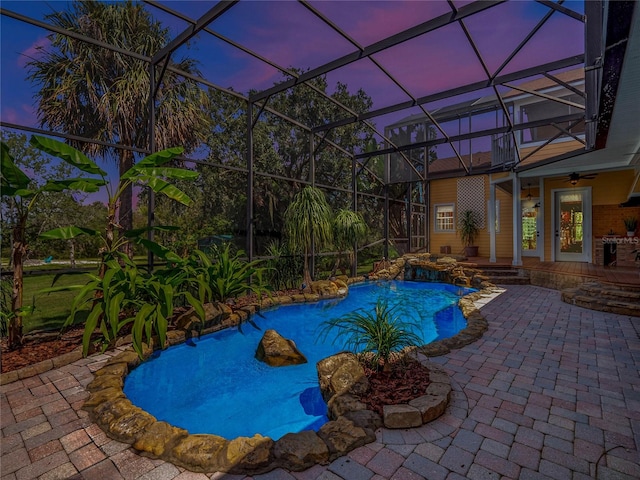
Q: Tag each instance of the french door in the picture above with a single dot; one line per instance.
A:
(572, 225)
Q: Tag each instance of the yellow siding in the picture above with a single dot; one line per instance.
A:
(442, 191)
(445, 191)
(504, 238)
(548, 151)
(607, 188)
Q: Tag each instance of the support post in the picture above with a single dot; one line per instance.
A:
(354, 205)
(249, 239)
(152, 148)
(312, 174)
(492, 221)
(517, 223)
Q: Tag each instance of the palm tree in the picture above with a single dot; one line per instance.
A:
(103, 94)
(307, 222)
(349, 228)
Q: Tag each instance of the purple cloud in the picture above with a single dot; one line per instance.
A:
(33, 51)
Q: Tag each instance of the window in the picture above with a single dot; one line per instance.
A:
(443, 215)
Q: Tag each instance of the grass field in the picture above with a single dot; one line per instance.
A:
(51, 309)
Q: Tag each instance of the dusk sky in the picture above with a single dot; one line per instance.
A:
(291, 35)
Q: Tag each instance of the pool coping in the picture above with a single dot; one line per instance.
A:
(109, 407)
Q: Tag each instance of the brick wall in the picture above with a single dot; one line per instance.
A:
(607, 218)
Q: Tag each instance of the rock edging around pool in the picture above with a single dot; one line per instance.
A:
(350, 427)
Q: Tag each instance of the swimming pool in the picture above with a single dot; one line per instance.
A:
(217, 386)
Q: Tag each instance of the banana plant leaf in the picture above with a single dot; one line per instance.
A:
(11, 174)
(67, 153)
(159, 250)
(165, 188)
(9, 191)
(166, 172)
(159, 158)
(66, 233)
(87, 185)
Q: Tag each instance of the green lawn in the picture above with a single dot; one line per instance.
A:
(51, 309)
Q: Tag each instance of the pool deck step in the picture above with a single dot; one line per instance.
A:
(604, 298)
(506, 275)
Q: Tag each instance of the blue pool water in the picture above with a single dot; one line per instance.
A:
(215, 385)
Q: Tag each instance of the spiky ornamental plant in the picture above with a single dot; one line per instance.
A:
(349, 228)
(376, 333)
(307, 223)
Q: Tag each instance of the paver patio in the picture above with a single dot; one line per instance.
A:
(551, 391)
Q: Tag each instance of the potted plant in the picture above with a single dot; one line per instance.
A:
(468, 228)
(631, 223)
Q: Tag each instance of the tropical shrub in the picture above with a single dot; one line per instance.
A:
(283, 269)
(349, 228)
(6, 287)
(121, 294)
(374, 334)
(126, 298)
(230, 276)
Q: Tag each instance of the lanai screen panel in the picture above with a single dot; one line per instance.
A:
(252, 46)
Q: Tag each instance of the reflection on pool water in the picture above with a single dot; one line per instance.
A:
(215, 385)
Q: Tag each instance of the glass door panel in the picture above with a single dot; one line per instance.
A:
(530, 227)
(571, 220)
(573, 227)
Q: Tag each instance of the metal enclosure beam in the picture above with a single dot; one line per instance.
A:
(250, 173)
(221, 7)
(425, 27)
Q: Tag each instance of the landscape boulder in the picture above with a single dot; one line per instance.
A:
(277, 351)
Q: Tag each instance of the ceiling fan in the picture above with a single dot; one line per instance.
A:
(574, 177)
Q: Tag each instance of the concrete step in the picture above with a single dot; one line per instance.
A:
(509, 280)
(506, 275)
(511, 272)
(611, 292)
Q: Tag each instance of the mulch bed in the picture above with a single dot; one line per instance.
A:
(402, 384)
(35, 351)
(39, 348)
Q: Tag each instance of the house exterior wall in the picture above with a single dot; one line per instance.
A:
(548, 151)
(608, 190)
(446, 192)
(443, 192)
(504, 237)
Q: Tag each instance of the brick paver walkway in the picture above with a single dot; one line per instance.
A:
(550, 391)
